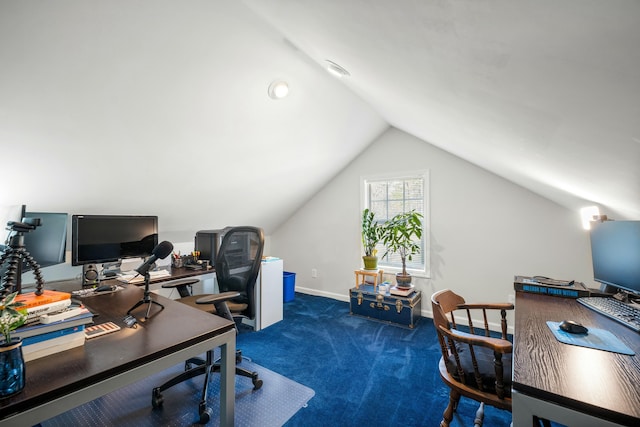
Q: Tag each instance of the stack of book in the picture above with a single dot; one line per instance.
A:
(53, 324)
(402, 292)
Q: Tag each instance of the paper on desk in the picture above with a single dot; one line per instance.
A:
(595, 338)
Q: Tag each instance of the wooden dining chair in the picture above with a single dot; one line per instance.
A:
(474, 363)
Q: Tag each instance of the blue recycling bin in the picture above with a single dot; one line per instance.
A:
(289, 286)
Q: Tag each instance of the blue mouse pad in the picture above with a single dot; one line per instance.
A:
(595, 338)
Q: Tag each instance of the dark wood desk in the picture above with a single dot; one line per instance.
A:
(573, 385)
(57, 383)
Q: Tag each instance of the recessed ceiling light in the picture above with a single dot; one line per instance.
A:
(336, 69)
(278, 89)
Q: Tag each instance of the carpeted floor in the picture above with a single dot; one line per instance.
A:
(363, 372)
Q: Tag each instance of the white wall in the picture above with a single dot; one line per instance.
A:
(484, 229)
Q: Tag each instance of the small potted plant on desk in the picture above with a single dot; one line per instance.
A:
(12, 374)
(371, 234)
(399, 235)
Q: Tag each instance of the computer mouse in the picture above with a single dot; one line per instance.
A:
(573, 327)
(104, 288)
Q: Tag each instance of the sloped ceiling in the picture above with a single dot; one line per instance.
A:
(544, 93)
(161, 107)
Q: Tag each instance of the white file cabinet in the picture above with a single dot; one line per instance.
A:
(269, 294)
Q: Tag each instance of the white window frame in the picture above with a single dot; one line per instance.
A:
(425, 271)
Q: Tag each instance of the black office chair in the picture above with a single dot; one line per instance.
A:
(237, 265)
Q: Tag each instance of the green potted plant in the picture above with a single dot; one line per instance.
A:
(400, 235)
(371, 234)
(12, 374)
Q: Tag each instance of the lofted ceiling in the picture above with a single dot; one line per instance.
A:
(544, 93)
(161, 107)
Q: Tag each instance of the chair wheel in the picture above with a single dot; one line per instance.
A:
(205, 414)
(257, 382)
(156, 398)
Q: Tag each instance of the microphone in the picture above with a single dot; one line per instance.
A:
(159, 252)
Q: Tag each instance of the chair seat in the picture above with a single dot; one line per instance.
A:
(486, 368)
(190, 300)
(472, 392)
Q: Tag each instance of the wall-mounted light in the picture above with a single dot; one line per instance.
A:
(336, 69)
(278, 89)
(588, 214)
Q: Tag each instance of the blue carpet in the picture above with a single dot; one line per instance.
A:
(363, 372)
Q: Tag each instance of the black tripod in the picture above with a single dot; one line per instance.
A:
(146, 299)
(15, 254)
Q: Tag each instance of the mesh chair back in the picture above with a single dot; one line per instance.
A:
(238, 263)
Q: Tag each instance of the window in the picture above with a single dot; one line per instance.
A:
(389, 195)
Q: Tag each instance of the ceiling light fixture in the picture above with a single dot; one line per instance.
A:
(278, 89)
(336, 69)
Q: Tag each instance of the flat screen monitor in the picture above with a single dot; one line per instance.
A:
(615, 251)
(47, 243)
(107, 238)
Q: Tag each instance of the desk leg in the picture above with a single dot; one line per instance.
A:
(228, 380)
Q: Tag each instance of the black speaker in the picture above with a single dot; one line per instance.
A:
(90, 275)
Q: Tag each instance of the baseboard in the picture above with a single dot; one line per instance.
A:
(332, 295)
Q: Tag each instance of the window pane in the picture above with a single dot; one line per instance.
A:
(413, 189)
(414, 205)
(378, 191)
(379, 210)
(395, 208)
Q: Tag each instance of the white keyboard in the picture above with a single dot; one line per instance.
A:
(134, 277)
(159, 273)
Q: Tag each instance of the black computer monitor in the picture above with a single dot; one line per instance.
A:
(107, 238)
(615, 251)
(47, 243)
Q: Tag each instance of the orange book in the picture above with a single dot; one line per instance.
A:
(30, 299)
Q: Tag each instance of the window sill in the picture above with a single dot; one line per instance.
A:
(396, 270)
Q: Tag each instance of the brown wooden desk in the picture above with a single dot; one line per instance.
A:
(573, 385)
(57, 383)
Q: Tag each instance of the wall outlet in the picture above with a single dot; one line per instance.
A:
(314, 273)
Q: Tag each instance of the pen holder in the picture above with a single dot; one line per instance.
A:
(178, 262)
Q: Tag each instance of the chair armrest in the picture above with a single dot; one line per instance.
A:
(487, 306)
(215, 298)
(496, 344)
(180, 282)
